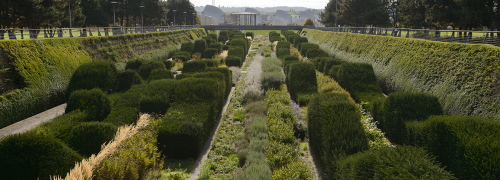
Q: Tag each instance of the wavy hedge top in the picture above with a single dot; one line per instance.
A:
(465, 77)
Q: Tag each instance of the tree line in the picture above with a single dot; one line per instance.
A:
(437, 14)
(37, 14)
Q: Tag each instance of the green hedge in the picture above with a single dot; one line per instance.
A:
(335, 129)
(87, 138)
(157, 74)
(200, 46)
(283, 44)
(148, 66)
(243, 43)
(281, 52)
(402, 107)
(327, 63)
(94, 102)
(291, 38)
(122, 116)
(237, 51)
(304, 47)
(301, 81)
(249, 34)
(134, 64)
(182, 56)
(196, 90)
(168, 64)
(210, 53)
(131, 98)
(275, 38)
(462, 76)
(313, 53)
(33, 156)
(96, 74)
(359, 79)
(211, 62)
(221, 79)
(466, 146)
(225, 47)
(188, 47)
(217, 46)
(299, 40)
(193, 67)
(153, 105)
(126, 79)
(228, 75)
(391, 163)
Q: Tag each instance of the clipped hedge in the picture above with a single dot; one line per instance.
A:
(243, 43)
(211, 62)
(357, 78)
(281, 52)
(200, 46)
(96, 74)
(228, 75)
(302, 82)
(157, 74)
(153, 105)
(197, 90)
(217, 46)
(249, 34)
(148, 66)
(304, 47)
(188, 47)
(94, 102)
(87, 138)
(182, 56)
(122, 116)
(134, 64)
(313, 53)
(283, 44)
(466, 146)
(236, 51)
(168, 64)
(221, 79)
(193, 67)
(126, 79)
(299, 40)
(210, 53)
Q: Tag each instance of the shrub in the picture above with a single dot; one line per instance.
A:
(280, 52)
(281, 131)
(294, 170)
(241, 42)
(126, 79)
(60, 127)
(187, 47)
(183, 75)
(222, 39)
(249, 34)
(211, 62)
(33, 156)
(153, 104)
(200, 46)
(210, 53)
(194, 66)
(359, 79)
(313, 53)
(228, 75)
(134, 64)
(225, 47)
(163, 87)
(96, 74)
(236, 51)
(327, 63)
(270, 61)
(256, 165)
(87, 138)
(94, 102)
(299, 40)
(391, 163)
(283, 44)
(275, 38)
(182, 56)
(147, 67)
(169, 64)
(335, 129)
(233, 61)
(157, 74)
(220, 77)
(122, 116)
(196, 90)
(272, 80)
(466, 146)
(401, 107)
(213, 36)
(301, 79)
(304, 47)
(224, 34)
(217, 46)
(292, 37)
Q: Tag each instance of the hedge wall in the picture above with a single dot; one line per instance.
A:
(237, 51)
(465, 77)
(233, 61)
(301, 81)
(210, 53)
(187, 46)
(193, 66)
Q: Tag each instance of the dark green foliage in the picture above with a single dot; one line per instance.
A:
(401, 107)
(301, 80)
(291, 38)
(33, 156)
(304, 47)
(161, 74)
(334, 129)
(280, 52)
(237, 51)
(225, 47)
(182, 56)
(283, 44)
(233, 61)
(249, 34)
(272, 80)
(211, 62)
(168, 64)
(94, 102)
(134, 64)
(217, 46)
(313, 53)
(228, 75)
(210, 41)
(210, 53)
(275, 38)
(213, 36)
(126, 79)
(96, 74)
(359, 79)
(200, 46)
(87, 138)
(334, 72)
(220, 77)
(466, 146)
(243, 43)
(60, 127)
(319, 63)
(327, 63)
(183, 75)
(122, 116)
(287, 60)
(222, 39)
(187, 47)
(153, 104)
(197, 90)
(224, 34)
(391, 163)
(194, 66)
(147, 67)
(299, 40)
(163, 87)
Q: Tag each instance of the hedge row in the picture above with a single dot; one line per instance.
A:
(272, 74)
(301, 79)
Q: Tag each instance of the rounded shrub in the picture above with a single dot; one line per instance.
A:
(33, 156)
(228, 74)
(313, 53)
(194, 90)
(241, 42)
(126, 79)
(134, 64)
(182, 56)
(233, 61)
(147, 67)
(187, 47)
(87, 138)
(211, 62)
(283, 44)
(193, 67)
(304, 47)
(94, 102)
(169, 64)
(302, 79)
(210, 53)
(153, 104)
(217, 46)
(122, 116)
(161, 74)
(200, 46)
(96, 74)
(237, 51)
(225, 47)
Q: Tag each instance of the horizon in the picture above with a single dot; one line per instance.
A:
(312, 4)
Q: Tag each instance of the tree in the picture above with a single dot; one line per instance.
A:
(363, 12)
(309, 22)
(327, 17)
(412, 13)
(94, 13)
(180, 6)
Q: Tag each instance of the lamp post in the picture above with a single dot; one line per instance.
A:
(205, 20)
(142, 19)
(69, 7)
(185, 18)
(174, 16)
(114, 17)
(335, 12)
(193, 18)
(209, 18)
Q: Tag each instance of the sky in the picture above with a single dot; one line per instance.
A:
(314, 4)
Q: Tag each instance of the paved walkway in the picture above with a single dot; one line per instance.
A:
(33, 121)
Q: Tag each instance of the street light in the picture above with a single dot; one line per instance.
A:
(210, 19)
(142, 18)
(193, 18)
(185, 18)
(174, 16)
(114, 20)
(69, 6)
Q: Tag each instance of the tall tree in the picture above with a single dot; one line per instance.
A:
(94, 13)
(309, 22)
(412, 14)
(364, 12)
(180, 6)
(327, 17)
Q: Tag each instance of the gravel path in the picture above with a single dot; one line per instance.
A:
(32, 122)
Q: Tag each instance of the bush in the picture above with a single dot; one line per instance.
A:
(134, 64)
(187, 47)
(213, 36)
(222, 39)
(228, 75)
(283, 44)
(225, 47)
(301, 79)
(220, 77)
(182, 56)
(153, 104)
(270, 61)
(211, 62)
(275, 38)
(241, 42)
(169, 64)
(233, 61)
(200, 46)
(94, 102)
(401, 107)
(280, 52)
(335, 129)
(194, 66)
(256, 165)
(272, 80)
(196, 90)
(126, 79)
(33, 156)
(87, 138)
(163, 87)
(292, 37)
(299, 40)
(294, 170)
(466, 146)
(96, 74)
(60, 127)
(147, 67)
(217, 46)
(359, 79)
(249, 34)
(122, 116)
(304, 47)
(391, 163)
(327, 63)
(183, 75)
(210, 53)
(313, 53)
(157, 74)
(236, 51)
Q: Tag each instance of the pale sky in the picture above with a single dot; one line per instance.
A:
(314, 4)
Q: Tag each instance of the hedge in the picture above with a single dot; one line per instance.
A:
(281, 52)
(183, 75)
(466, 146)
(194, 66)
(302, 81)
(221, 79)
(283, 44)
(157, 74)
(306, 46)
(200, 46)
(134, 64)
(228, 75)
(126, 79)
(249, 34)
(148, 66)
(211, 62)
(197, 90)
(313, 53)
(237, 51)
(222, 39)
(225, 47)
(168, 64)
(327, 63)
(122, 116)
(131, 98)
(96, 74)
(182, 56)
(275, 38)
(188, 47)
(217, 46)
(33, 156)
(391, 163)
(210, 53)
(213, 36)
(299, 40)
(243, 43)
(292, 37)
(402, 107)
(335, 129)
(94, 102)
(87, 138)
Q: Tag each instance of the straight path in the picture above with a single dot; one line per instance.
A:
(33, 121)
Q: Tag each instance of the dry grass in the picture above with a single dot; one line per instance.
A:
(223, 55)
(83, 170)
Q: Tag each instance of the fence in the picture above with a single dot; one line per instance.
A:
(15, 34)
(459, 36)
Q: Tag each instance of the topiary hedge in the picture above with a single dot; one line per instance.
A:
(134, 64)
(299, 40)
(301, 81)
(96, 74)
(249, 34)
(182, 56)
(148, 66)
(304, 47)
(200, 46)
(237, 51)
(283, 44)
(233, 61)
(313, 53)
(211, 62)
(187, 47)
(228, 75)
(94, 102)
(153, 104)
(217, 46)
(243, 43)
(210, 53)
(122, 116)
(168, 64)
(157, 74)
(221, 81)
(194, 66)
(359, 79)
(126, 79)
(281, 52)
(87, 138)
